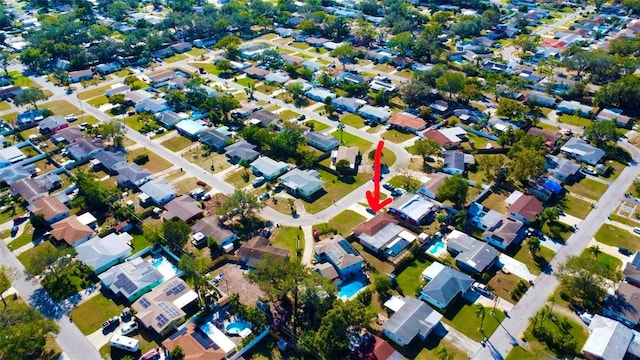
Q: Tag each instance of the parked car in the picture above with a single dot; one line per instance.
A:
(264, 196)
(388, 187)
(71, 118)
(589, 170)
(129, 327)
(370, 211)
(110, 323)
(258, 181)
(14, 230)
(625, 251)
(126, 313)
(481, 289)
(398, 192)
(636, 230)
(20, 218)
(586, 318)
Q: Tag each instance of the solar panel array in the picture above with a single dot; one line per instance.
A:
(174, 287)
(124, 283)
(169, 310)
(144, 303)
(162, 320)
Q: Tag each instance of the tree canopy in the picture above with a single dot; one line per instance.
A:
(582, 280)
(24, 332)
(601, 133)
(455, 189)
(176, 232)
(30, 96)
(241, 203)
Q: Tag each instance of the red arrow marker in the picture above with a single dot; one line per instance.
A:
(374, 198)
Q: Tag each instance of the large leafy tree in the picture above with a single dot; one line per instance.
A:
(455, 189)
(176, 232)
(242, 203)
(511, 109)
(92, 193)
(601, 133)
(23, 332)
(112, 130)
(332, 338)
(194, 268)
(5, 282)
(48, 258)
(451, 82)
(30, 96)
(345, 53)
(526, 157)
(426, 148)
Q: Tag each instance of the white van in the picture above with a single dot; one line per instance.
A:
(125, 343)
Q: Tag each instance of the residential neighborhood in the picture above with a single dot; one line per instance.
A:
(337, 180)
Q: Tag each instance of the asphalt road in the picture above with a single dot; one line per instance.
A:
(501, 342)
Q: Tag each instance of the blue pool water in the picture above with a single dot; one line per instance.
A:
(437, 248)
(236, 327)
(166, 267)
(348, 290)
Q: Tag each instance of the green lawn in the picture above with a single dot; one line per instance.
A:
(317, 125)
(25, 238)
(69, 281)
(388, 157)
(612, 235)
(60, 107)
(546, 126)
(430, 347)
(353, 120)
(4, 106)
(352, 140)
(287, 115)
(534, 265)
(22, 80)
(245, 81)
(398, 182)
(286, 237)
(335, 189)
(90, 315)
(624, 220)
(576, 207)
(177, 143)
(139, 242)
(28, 256)
(300, 45)
(462, 316)
(208, 67)
(346, 221)
(574, 120)
(197, 52)
(410, 277)
(557, 230)
(396, 136)
(611, 261)
(99, 101)
(588, 188)
(155, 163)
(93, 92)
(176, 58)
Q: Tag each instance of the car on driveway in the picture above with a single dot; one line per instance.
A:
(370, 211)
(388, 187)
(14, 230)
(128, 328)
(589, 170)
(636, 230)
(20, 218)
(625, 251)
(109, 324)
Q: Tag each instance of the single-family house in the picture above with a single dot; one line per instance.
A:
(383, 236)
(583, 151)
(499, 230)
(455, 134)
(138, 96)
(407, 122)
(411, 318)
(303, 183)
(132, 175)
(52, 124)
(161, 309)
(183, 207)
(263, 118)
(29, 189)
(534, 97)
(471, 255)
(321, 94)
(50, 207)
(168, 119)
(440, 138)
(415, 209)
(101, 253)
(609, 339)
(152, 106)
(50, 181)
(268, 168)
(131, 279)
(623, 305)
(108, 68)
(69, 135)
(349, 104)
(430, 187)
(9, 91)
(16, 172)
(161, 78)
(258, 247)
(181, 47)
(351, 154)
(441, 108)
(375, 113)
(316, 41)
(11, 154)
(215, 140)
(551, 138)
(117, 89)
(293, 60)
(252, 51)
(574, 107)
(631, 270)
(71, 231)
(382, 83)
(256, 73)
(84, 149)
(212, 227)
(562, 169)
(279, 77)
(453, 162)
(321, 141)
(379, 56)
(157, 192)
(190, 128)
(447, 285)
(110, 161)
(242, 150)
(338, 252)
(608, 114)
(525, 208)
(198, 347)
(80, 75)
(29, 118)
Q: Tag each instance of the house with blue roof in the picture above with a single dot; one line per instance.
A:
(190, 128)
(158, 192)
(241, 151)
(101, 253)
(152, 106)
(445, 286)
(320, 94)
(268, 168)
(169, 119)
(321, 141)
(214, 139)
(375, 113)
(305, 184)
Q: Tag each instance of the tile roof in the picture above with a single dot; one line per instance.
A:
(48, 206)
(404, 120)
(254, 249)
(183, 207)
(527, 206)
(437, 136)
(71, 230)
(375, 224)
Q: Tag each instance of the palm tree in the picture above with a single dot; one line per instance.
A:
(444, 354)
(341, 128)
(533, 243)
(552, 300)
(595, 251)
(480, 312)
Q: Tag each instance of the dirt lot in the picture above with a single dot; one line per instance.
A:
(235, 282)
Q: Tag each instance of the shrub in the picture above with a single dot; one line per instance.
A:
(365, 297)
(141, 159)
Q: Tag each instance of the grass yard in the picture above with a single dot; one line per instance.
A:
(90, 315)
(123, 73)
(287, 115)
(139, 242)
(589, 188)
(28, 256)
(245, 81)
(99, 101)
(501, 284)
(398, 182)
(624, 220)
(377, 265)
(185, 185)
(352, 140)
(93, 92)
(305, 56)
(334, 189)
(535, 265)
(177, 143)
(396, 136)
(279, 204)
(574, 120)
(286, 237)
(135, 123)
(346, 221)
(22, 80)
(61, 107)
(410, 278)
(431, 347)
(611, 261)
(557, 230)
(612, 235)
(176, 58)
(576, 207)
(300, 45)
(214, 162)
(25, 238)
(196, 52)
(462, 316)
(4, 106)
(266, 88)
(496, 201)
(384, 68)
(9, 117)
(155, 163)
(353, 120)
(317, 125)
(375, 129)
(208, 67)
(240, 178)
(546, 126)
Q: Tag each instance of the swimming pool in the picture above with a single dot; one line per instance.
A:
(437, 248)
(236, 327)
(349, 290)
(166, 267)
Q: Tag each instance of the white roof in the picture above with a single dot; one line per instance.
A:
(86, 218)
(394, 303)
(609, 339)
(432, 271)
(513, 198)
(185, 299)
(221, 340)
(407, 235)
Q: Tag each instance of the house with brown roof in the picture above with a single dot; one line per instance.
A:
(195, 344)
(183, 207)
(440, 138)
(430, 187)
(624, 305)
(29, 189)
(506, 232)
(50, 207)
(551, 138)
(213, 228)
(407, 122)
(256, 73)
(71, 231)
(161, 309)
(256, 248)
(525, 208)
(348, 153)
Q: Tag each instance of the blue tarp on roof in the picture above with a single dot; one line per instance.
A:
(553, 186)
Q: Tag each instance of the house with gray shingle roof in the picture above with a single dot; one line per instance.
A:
(100, 253)
(132, 278)
(609, 339)
(302, 183)
(133, 175)
(446, 286)
(471, 255)
(583, 151)
(413, 318)
(242, 150)
(269, 168)
(340, 254)
(158, 191)
(111, 161)
(321, 141)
